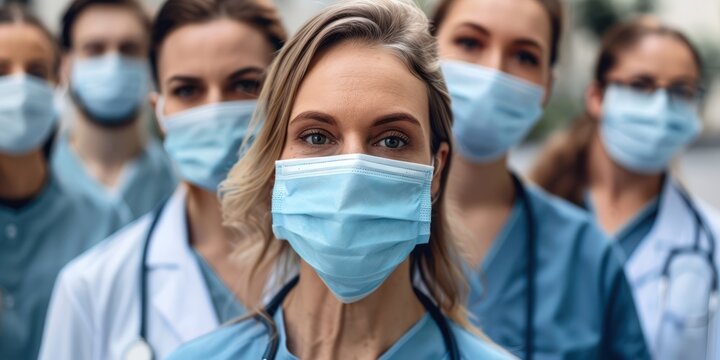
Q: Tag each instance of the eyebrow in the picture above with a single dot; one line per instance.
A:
(246, 70)
(395, 117)
(315, 115)
(476, 27)
(236, 74)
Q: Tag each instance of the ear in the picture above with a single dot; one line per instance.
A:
(549, 85)
(440, 160)
(594, 100)
(153, 100)
(65, 69)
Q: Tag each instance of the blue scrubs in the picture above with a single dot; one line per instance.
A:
(226, 305)
(146, 182)
(249, 338)
(638, 228)
(583, 304)
(36, 241)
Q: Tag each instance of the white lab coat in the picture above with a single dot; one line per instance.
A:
(95, 308)
(674, 227)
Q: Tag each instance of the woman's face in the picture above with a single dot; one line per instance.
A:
(513, 36)
(360, 99)
(26, 50)
(656, 61)
(200, 64)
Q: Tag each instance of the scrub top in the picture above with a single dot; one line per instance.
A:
(248, 339)
(226, 305)
(36, 241)
(146, 181)
(638, 228)
(583, 305)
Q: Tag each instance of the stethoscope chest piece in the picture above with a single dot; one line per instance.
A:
(138, 350)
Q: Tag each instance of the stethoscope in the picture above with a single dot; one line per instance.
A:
(140, 349)
(696, 249)
(531, 265)
(266, 318)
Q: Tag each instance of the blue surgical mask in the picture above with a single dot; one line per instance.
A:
(643, 132)
(204, 142)
(353, 218)
(492, 111)
(27, 114)
(110, 89)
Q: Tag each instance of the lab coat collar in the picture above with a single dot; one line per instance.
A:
(169, 245)
(181, 296)
(674, 225)
(673, 228)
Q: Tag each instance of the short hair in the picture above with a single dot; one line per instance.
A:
(78, 7)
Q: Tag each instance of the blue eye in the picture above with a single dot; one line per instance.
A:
(392, 142)
(316, 139)
(250, 87)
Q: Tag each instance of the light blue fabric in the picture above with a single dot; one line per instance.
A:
(204, 142)
(584, 308)
(27, 115)
(643, 132)
(145, 183)
(493, 111)
(110, 88)
(226, 305)
(248, 340)
(36, 241)
(353, 218)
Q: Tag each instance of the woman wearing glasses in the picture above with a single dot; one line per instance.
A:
(643, 110)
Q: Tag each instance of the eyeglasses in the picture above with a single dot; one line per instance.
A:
(682, 92)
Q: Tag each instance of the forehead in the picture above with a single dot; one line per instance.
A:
(358, 81)
(24, 40)
(206, 48)
(661, 56)
(504, 18)
(109, 21)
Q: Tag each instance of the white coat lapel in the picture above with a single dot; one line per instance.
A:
(178, 292)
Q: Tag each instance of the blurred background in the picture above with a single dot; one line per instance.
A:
(587, 21)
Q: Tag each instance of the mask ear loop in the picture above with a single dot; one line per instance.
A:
(435, 197)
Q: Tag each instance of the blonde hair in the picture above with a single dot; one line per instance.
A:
(397, 26)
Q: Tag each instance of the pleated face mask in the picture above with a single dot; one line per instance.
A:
(643, 132)
(204, 142)
(27, 115)
(353, 218)
(493, 111)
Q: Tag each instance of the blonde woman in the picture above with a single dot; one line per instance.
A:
(353, 156)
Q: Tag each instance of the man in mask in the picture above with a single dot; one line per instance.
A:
(107, 150)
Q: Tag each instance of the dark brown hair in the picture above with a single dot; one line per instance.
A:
(175, 14)
(561, 168)
(554, 9)
(78, 7)
(624, 36)
(18, 14)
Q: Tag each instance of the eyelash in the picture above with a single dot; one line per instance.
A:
(303, 135)
(395, 134)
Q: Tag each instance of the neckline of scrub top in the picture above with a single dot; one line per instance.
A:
(227, 306)
(511, 224)
(400, 347)
(637, 228)
(128, 172)
(36, 206)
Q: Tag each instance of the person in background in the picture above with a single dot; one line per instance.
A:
(171, 276)
(642, 111)
(546, 283)
(43, 224)
(348, 173)
(107, 149)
